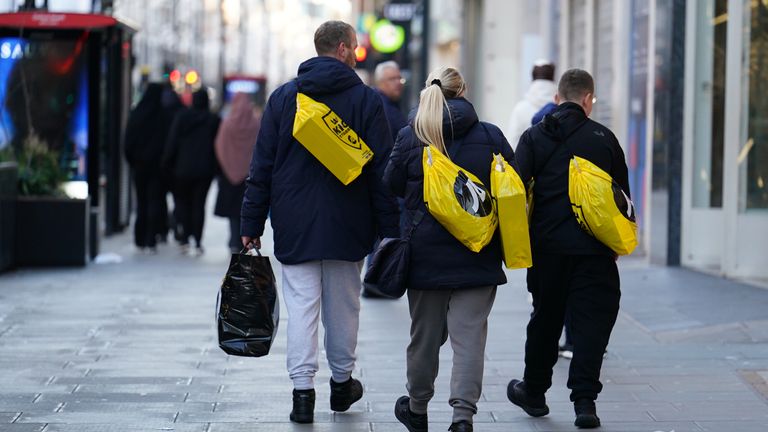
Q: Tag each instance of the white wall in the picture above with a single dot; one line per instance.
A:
(512, 40)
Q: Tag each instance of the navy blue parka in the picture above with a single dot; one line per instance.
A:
(314, 216)
(438, 260)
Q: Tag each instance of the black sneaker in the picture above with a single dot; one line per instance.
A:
(533, 405)
(462, 426)
(586, 414)
(343, 395)
(412, 421)
(303, 406)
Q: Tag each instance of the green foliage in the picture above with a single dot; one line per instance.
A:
(39, 171)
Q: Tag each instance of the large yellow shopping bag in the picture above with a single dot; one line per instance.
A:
(508, 191)
(601, 207)
(458, 200)
(330, 139)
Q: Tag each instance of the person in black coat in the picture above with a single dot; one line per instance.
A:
(189, 158)
(145, 136)
(451, 289)
(572, 271)
(322, 228)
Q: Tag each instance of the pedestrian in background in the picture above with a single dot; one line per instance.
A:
(172, 105)
(451, 289)
(322, 228)
(190, 159)
(541, 91)
(572, 271)
(145, 137)
(234, 150)
(389, 85)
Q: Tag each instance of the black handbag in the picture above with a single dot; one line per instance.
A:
(388, 272)
(248, 309)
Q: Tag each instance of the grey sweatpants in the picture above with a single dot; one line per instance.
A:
(334, 288)
(435, 315)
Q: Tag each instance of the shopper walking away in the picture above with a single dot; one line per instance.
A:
(572, 271)
(234, 150)
(190, 159)
(450, 288)
(322, 228)
(145, 137)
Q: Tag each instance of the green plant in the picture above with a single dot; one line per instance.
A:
(39, 170)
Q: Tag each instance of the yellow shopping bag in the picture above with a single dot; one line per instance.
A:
(601, 207)
(329, 139)
(458, 200)
(508, 191)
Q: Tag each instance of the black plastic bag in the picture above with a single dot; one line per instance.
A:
(248, 309)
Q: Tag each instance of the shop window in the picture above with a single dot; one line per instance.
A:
(753, 156)
(709, 103)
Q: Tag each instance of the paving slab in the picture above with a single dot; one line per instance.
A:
(132, 347)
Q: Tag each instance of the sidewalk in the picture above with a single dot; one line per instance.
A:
(131, 347)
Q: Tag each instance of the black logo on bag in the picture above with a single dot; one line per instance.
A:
(342, 131)
(623, 203)
(473, 197)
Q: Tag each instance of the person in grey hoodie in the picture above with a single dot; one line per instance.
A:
(541, 92)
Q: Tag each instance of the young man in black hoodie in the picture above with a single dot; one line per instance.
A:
(571, 270)
(322, 228)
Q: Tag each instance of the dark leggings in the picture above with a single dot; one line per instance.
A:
(190, 200)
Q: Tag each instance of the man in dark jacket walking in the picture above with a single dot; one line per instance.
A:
(322, 228)
(389, 85)
(571, 269)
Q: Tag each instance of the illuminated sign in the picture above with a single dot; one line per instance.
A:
(387, 37)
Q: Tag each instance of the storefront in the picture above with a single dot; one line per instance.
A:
(725, 163)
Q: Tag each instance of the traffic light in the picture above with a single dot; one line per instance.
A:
(361, 53)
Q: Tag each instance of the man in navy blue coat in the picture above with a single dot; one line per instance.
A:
(322, 228)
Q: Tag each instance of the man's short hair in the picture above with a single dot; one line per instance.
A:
(543, 69)
(330, 34)
(574, 84)
(381, 67)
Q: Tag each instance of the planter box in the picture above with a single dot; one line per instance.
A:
(8, 181)
(51, 231)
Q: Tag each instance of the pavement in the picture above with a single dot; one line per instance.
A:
(131, 346)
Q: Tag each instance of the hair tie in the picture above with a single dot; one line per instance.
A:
(437, 83)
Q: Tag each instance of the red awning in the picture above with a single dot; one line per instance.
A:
(51, 20)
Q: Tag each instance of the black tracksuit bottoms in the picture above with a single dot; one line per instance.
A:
(587, 286)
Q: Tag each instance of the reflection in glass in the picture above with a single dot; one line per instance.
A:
(709, 123)
(753, 157)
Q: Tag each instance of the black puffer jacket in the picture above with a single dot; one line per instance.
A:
(189, 153)
(438, 260)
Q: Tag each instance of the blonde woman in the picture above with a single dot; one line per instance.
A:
(450, 288)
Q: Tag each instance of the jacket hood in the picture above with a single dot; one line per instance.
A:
(462, 118)
(324, 75)
(541, 92)
(565, 119)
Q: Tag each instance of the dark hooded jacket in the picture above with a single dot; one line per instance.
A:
(314, 216)
(543, 154)
(438, 260)
(147, 131)
(189, 153)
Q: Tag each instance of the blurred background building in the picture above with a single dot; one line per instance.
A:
(682, 84)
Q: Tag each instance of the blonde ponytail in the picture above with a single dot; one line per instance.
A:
(442, 83)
